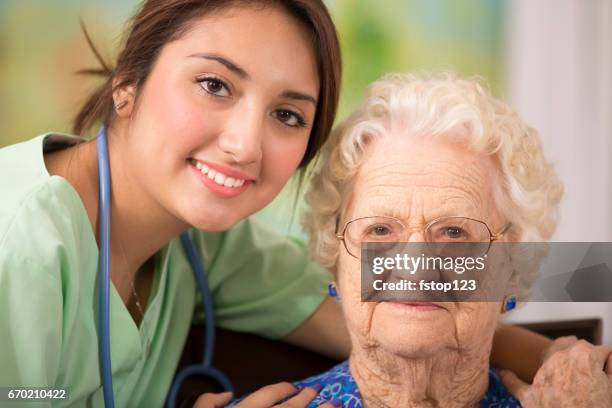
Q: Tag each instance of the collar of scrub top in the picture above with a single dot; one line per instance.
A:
(203, 369)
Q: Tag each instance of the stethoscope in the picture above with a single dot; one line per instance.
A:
(203, 369)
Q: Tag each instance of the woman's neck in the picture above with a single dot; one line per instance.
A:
(446, 379)
(139, 225)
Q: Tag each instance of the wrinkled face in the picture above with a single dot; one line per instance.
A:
(418, 181)
(224, 118)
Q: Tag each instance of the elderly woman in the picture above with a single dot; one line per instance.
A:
(427, 156)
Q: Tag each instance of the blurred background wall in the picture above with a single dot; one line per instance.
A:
(558, 74)
(551, 59)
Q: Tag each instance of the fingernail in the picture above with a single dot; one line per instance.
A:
(337, 403)
(317, 387)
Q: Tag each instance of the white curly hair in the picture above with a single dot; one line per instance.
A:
(443, 106)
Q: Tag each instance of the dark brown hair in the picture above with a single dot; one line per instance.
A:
(159, 22)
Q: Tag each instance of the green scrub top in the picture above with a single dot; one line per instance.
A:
(261, 282)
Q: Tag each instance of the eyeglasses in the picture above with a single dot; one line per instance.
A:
(445, 236)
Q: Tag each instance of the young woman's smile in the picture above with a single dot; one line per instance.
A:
(224, 181)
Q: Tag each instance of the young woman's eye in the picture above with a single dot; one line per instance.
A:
(290, 118)
(214, 86)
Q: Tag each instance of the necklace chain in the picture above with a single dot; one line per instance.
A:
(142, 321)
(139, 306)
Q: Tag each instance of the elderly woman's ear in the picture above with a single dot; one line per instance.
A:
(513, 287)
(510, 300)
(332, 291)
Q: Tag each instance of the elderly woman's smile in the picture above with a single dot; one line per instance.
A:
(418, 306)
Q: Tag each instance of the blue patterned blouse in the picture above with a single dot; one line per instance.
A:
(338, 384)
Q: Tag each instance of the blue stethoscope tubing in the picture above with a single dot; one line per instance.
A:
(203, 369)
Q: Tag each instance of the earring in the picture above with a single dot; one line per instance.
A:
(120, 105)
(333, 291)
(509, 303)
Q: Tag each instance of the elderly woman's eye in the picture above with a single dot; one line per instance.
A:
(455, 232)
(379, 230)
(214, 86)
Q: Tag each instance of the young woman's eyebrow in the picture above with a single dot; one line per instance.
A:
(226, 62)
(299, 96)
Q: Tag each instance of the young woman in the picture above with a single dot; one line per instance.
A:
(211, 107)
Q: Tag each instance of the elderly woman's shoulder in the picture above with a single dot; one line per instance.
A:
(497, 394)
(336, 384)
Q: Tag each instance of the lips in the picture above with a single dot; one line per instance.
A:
(222, 175)
(220, 180)
(419, 306)
(218, 177)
